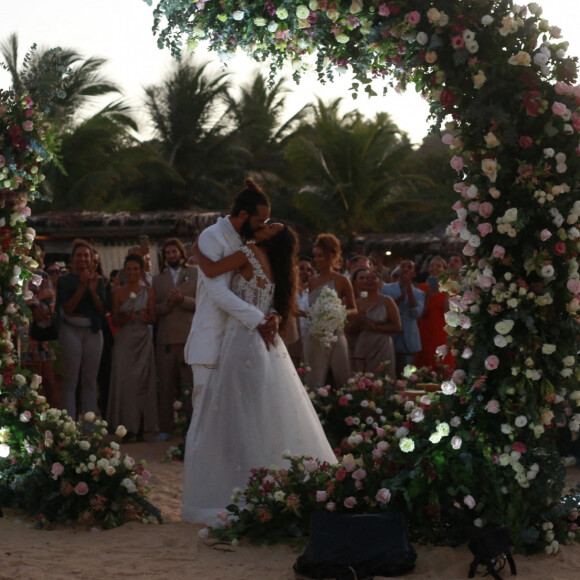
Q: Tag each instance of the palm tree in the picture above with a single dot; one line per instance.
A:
(261, 132)
(188, 112)
(107, 168)
(348, 169)
(61, 81)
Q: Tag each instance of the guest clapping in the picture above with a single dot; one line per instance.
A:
(81, 298)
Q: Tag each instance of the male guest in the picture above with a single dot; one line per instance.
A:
(175, 288)
(411, 302)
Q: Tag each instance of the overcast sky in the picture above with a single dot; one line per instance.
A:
(120, 30)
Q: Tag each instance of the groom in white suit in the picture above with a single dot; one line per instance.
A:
(216, 302)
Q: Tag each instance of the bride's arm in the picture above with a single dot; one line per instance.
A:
(213, 268)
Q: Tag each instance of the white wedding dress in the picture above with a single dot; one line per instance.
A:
(253, 409)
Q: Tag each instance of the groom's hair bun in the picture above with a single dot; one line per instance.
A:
(249, 198)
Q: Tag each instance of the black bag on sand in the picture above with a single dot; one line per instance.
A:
(356, 547)
(492, 550)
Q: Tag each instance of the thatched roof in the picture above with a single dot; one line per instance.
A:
(121, 225)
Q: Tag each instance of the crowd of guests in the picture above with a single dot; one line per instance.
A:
(120, 340)
(396, 316)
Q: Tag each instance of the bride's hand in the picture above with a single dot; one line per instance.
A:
(269, 329)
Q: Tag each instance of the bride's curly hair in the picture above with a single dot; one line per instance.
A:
(282, 252)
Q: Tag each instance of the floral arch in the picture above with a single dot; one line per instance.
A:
(501, 90)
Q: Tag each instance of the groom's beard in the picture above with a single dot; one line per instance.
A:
(246, 231)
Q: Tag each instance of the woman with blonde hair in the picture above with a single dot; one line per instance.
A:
(327, 260)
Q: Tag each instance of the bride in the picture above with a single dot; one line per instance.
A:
(254, 407)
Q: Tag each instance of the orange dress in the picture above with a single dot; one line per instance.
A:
(431, 329)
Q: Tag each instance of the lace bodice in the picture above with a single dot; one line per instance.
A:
(258, 290)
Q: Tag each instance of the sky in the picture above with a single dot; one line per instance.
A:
(120, 31)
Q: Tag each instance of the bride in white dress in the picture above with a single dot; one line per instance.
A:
(254, 407)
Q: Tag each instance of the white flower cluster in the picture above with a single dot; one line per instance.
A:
(326, 316)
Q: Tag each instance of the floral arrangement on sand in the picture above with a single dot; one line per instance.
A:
(56, 469)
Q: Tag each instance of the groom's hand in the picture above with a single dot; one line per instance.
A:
(269, 329)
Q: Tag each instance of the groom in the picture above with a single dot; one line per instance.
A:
(215, 302)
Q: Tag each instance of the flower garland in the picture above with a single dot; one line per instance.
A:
(501, 87)
(326, 316)
(49, 465)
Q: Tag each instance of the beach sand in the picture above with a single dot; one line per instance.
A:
(174, 550)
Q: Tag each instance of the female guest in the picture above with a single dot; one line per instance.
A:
(327, 258)
(378, 317)
(358, 281)
(432, 322)
(133, 392)
(81, 298)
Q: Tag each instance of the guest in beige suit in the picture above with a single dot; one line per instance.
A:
(175, 288)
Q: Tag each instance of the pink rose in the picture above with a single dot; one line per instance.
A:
(382, 446)
(562, 88)
(442, 350)
(473, 206)
(457, 205)
(456, 226)
(469, 501)
(560, 249)
(2, 161)
(349, 421)
(485, 209)
(573, 286)
(350, 502)
(383, 495)
(447, 139)
(321, 496)
(468, 250)
(57, 469)
(456, 163)
(458, 42)
(525, 142)
(27, 125)
(484, 229)
(491, 362)
(519, 447)
(330, 506)
(81, 488)
(545, 235)
(492, 406)
(341, 475)
(559, 108)
(311, 465)
(380, 432)
(467, 353)
(384, 10)
(498, 252)
(413, 17)
(343, 401)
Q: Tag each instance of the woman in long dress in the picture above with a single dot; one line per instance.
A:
(254, 407)
(432, 322)
(133, 390)
(327, 257)
(377, 319)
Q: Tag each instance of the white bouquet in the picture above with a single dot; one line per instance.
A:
(326, 316)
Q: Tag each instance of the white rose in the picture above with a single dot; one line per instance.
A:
(548, 348)
(504, 326)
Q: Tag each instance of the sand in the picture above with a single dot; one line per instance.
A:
(174, 549)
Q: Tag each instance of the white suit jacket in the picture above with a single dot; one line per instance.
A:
(215, 300)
